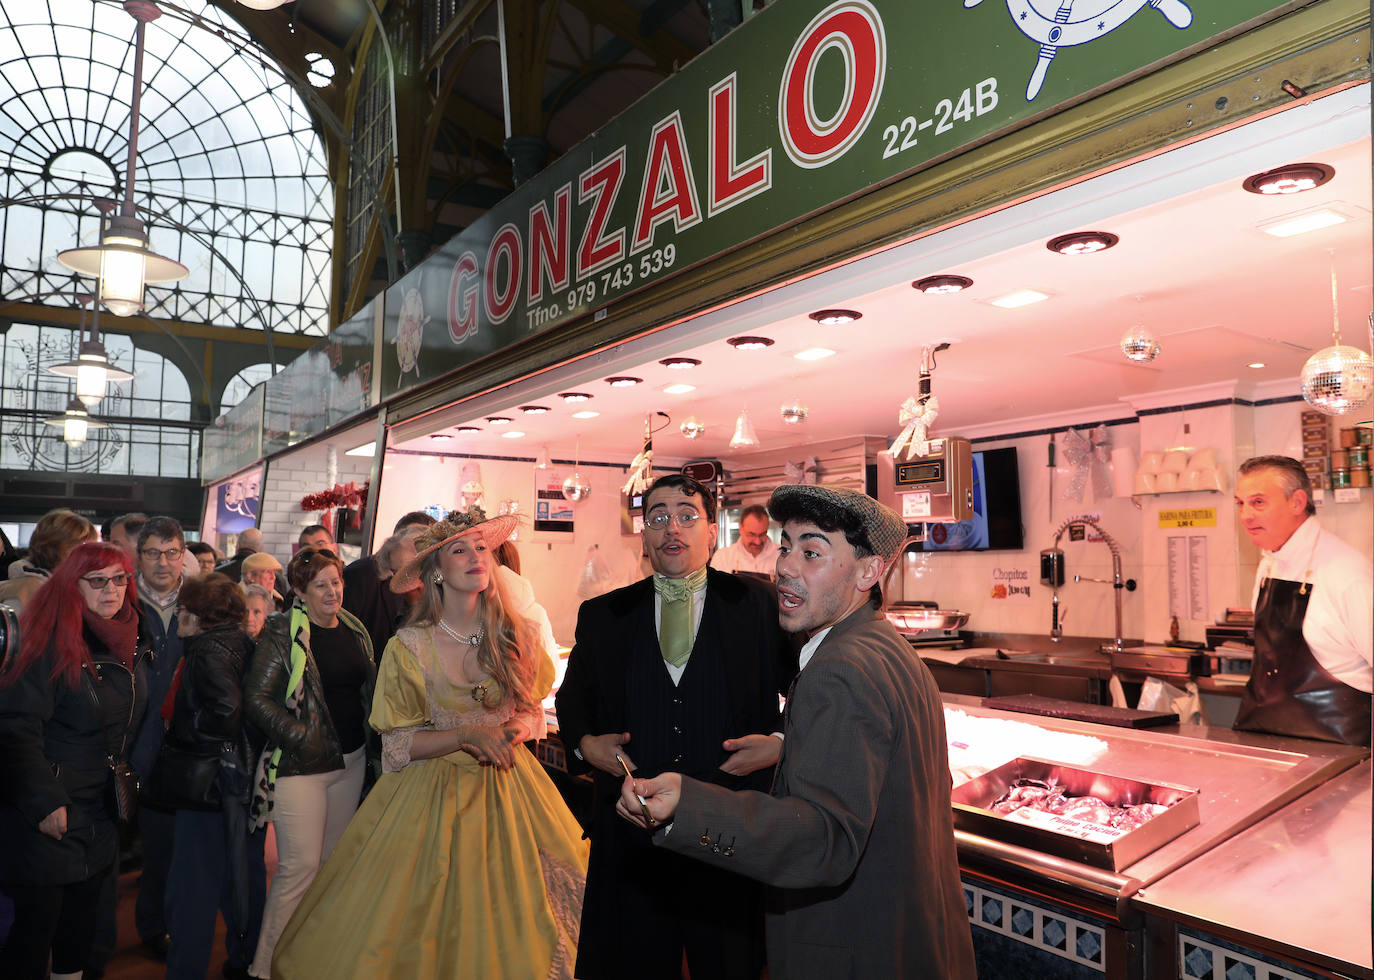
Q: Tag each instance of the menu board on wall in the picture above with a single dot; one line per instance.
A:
(552, 511)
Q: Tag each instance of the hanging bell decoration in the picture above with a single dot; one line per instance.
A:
(745, 437)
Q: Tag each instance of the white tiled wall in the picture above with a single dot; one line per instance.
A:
(290, 478)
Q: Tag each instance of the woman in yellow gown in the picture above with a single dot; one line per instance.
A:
(463, 861)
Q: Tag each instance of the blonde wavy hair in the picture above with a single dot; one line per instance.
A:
(510, 643)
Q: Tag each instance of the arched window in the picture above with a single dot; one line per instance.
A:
(232, 178)
(150, 431)
(242, 383)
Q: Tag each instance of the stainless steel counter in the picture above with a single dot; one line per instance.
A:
(1298, 882)
(1241, 779)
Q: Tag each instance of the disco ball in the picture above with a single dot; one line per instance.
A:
(575, 490)
(692, 428)
(794, 413)
(1336, 380)
(1139, 345)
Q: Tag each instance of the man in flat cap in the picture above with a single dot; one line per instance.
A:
(856, 837)
(262, 569)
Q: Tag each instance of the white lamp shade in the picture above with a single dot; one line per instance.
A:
(74, 430)
(121, 276)
(263, 4)
(90, 383)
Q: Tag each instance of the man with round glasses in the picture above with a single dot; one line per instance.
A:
(680, 671)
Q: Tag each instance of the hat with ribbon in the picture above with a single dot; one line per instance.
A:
(494, 531)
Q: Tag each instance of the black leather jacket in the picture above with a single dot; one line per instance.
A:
(55, 747)
(309, 743)
(207, 716)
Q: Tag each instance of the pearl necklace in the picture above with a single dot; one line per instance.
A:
(474, 640)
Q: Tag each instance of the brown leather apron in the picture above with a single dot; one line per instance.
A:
(1289, 693)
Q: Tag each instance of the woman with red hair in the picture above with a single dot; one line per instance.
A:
(70, 703)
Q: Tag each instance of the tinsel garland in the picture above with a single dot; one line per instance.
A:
(339, 495)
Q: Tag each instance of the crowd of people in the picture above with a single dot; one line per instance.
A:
(375, 716)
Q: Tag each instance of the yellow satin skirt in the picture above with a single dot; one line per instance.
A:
(448, 869)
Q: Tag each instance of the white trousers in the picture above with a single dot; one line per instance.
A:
(309, 814)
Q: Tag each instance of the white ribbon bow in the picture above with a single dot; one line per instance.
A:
(916, 419)
(800, 471)
(1088, 457)
(641, 470)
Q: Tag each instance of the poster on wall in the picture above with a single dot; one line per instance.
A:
(1010, 583)
(552, 511)
(236, 502)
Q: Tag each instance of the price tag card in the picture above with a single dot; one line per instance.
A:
(916, 505)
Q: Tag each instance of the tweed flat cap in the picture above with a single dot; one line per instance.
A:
(884, 527)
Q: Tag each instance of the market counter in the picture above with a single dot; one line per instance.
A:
(1294, 887)
(1032, 911)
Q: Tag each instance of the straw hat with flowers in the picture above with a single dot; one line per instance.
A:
(494, 531)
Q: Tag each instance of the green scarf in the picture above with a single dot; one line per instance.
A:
(675, 615)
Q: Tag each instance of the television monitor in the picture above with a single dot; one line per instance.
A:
(996, 522)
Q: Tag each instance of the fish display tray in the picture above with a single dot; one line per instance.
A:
(973, 801)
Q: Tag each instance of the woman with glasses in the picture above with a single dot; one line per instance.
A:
(70, 702)
(463, 861)
(309, 690)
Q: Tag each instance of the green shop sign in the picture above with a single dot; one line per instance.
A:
(808, 104)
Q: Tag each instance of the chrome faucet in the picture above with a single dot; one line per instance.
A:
(1052, 574)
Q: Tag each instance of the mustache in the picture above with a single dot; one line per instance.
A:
(792, 585)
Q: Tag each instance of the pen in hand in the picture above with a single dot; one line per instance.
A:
(644, 806)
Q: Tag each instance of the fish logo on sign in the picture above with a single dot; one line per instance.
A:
(1072, 23)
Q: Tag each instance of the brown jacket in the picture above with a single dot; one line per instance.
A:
(856, 837)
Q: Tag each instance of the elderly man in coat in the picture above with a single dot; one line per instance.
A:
(856, 838)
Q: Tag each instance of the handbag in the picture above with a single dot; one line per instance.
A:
(124, 791)
(183, 780)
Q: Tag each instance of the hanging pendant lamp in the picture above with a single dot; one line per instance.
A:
(92, 368)
(76, 423)
(122, 261)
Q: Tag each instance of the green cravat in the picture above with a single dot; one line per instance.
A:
(675, 615)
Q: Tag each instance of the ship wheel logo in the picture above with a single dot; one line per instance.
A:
(1078, 23)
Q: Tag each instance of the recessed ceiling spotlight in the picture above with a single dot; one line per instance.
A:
(814, 354)
(942, 284)
(468, 428)
(1082, 242)
(575, 396)
(534, 409)
(624, 381)
(497, 420)
(1022, 297)
(1294, 178)
(1255, 364)
(680, 363)
(1302, 223)
(750, 343)
(441, 437)
(679, 389)
(586, 413)
(834, 318)
(513, 434)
